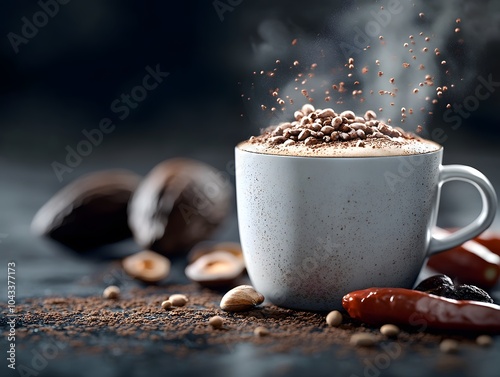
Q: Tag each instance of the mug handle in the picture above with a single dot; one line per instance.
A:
(482, 221)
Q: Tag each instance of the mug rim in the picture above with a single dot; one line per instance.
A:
(439, 150)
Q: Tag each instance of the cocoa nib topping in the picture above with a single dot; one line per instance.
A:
(322, 126)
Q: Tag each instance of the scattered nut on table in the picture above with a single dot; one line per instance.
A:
(147, 266)
(241, 298)
(166, 305)
(178, 299)
(390, 330)
(206, 247)
(484, 340)
(334, 318)
(112, 292)
(363, 339)
(216, 321)
(449, 346)
(261, 331)
(215, 269)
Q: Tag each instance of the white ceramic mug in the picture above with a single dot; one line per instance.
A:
(315, 228)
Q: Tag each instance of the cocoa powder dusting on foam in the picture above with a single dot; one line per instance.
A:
(323, 131)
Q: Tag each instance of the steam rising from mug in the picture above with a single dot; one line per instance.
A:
(348, 33)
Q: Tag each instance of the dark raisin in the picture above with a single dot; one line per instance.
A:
(471, 292)
(440, 285)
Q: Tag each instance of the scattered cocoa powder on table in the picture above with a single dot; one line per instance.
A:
(136, 321)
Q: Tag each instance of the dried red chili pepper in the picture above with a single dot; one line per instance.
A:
(377, 306)
(491, 240)
(470, 263)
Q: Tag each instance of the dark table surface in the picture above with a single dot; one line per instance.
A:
(44, 268)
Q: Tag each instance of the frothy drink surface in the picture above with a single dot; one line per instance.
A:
(325, 133)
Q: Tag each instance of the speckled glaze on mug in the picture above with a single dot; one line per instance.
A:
(315, 228)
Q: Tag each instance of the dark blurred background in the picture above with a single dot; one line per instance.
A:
(64, 63)
(67, 72)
